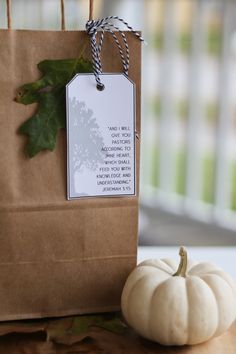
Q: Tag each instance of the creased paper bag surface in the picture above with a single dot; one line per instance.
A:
(57, 257)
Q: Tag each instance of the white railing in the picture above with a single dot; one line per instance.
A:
(208, 149)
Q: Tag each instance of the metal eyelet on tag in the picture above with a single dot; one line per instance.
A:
(100, 87)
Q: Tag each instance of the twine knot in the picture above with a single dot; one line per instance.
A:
(92, 26)
(104, 25)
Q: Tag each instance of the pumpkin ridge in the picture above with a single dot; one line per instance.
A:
(156, 266)
(126, 301)
(128, 306)
(150, 310)
(154, 294)
(216, 302)
(130, 292)
(214, 267)
(149, 324)
(166, 264)
(215, 273)
(133, 287)
(188, 302)
(189, 298)
(164, 260)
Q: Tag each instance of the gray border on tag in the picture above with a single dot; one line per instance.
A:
(69, 197)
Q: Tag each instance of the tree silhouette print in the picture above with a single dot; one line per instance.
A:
(87, 139)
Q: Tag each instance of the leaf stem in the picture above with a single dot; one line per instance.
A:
(182, 269)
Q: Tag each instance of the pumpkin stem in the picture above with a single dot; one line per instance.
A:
(183, 263)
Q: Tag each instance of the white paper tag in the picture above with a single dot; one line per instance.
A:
(100, 136)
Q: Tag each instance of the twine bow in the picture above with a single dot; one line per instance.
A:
(104, 25)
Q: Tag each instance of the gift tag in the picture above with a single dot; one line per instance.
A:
(100, 136)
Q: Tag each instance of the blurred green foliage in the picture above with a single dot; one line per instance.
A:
(183, 41)
(155, 166)
(233, 183)
(211, 110)
(213, 41)
(155, 107)
(157, 41)
(180, 171)
(182, 108)
(208, 171)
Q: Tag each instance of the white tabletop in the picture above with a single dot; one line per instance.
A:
(224, 257)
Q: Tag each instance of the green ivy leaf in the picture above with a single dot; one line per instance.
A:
(49, 93)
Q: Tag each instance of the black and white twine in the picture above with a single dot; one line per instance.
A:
(104, 25)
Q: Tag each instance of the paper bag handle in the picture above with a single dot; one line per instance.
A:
(9, 17)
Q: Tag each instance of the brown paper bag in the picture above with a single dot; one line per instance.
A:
(57, 257)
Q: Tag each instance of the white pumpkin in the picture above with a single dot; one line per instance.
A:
(189, 306)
